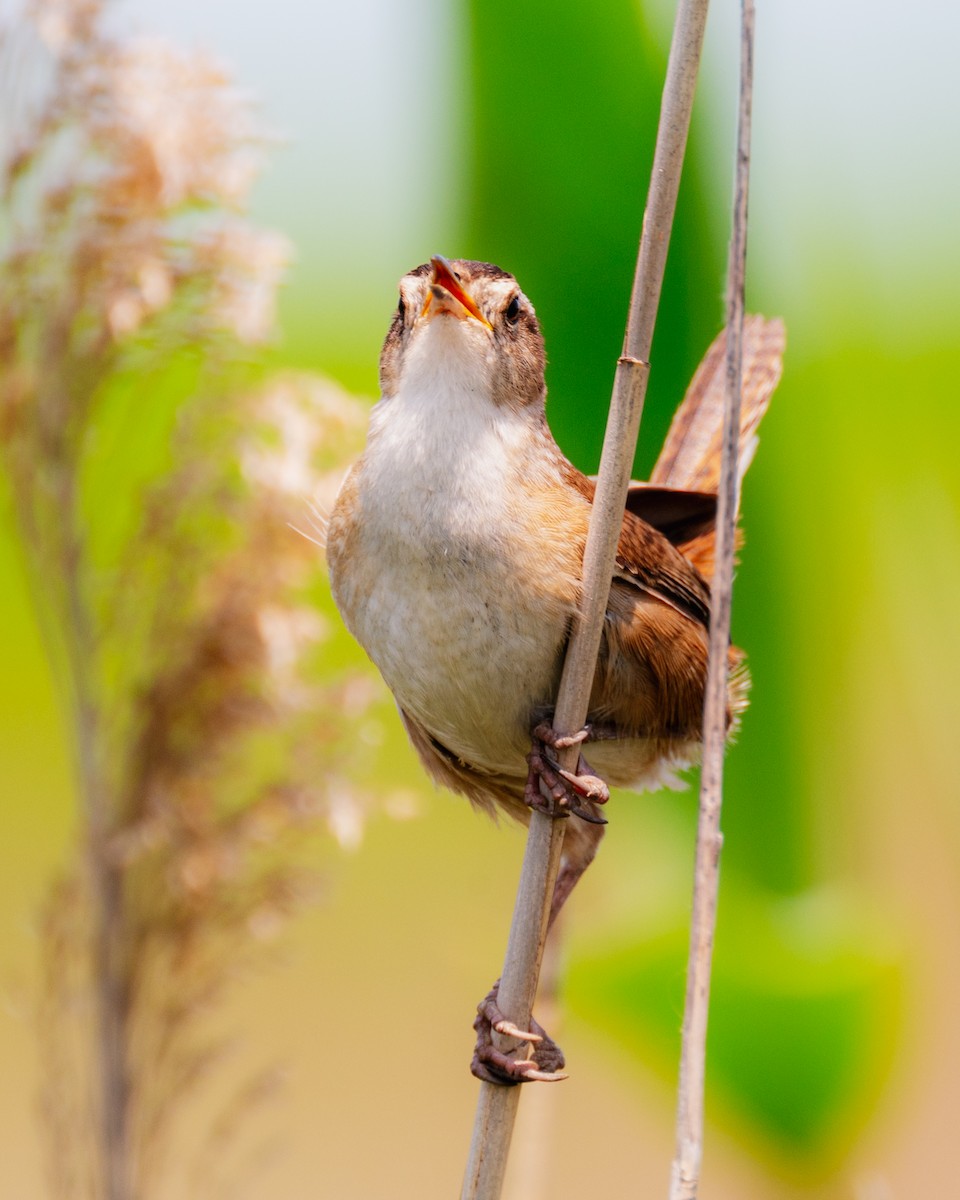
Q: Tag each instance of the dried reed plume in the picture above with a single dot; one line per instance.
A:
(176, 607)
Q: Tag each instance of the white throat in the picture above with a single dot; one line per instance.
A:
(442, 436)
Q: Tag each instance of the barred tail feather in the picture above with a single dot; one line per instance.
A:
(690, 458)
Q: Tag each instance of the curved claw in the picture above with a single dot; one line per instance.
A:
(545, 732)
(510, 1030)
(591, 786)
(592, 818)
(544, 1076)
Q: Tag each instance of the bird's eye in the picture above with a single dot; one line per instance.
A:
(512, 311)
(401, 309)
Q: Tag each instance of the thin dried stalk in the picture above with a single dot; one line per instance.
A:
(685, 1176)
(497, 1106)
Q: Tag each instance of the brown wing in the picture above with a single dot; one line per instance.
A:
(647, 559)
(652, 667)
(652, 662)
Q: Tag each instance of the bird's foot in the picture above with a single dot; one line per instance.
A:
(495, 1066)
(568, 789)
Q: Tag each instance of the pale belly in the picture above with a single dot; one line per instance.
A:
(465, 652)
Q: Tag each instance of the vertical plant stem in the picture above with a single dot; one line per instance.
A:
(53, 574)
(685, 1177)
(112, 1106)
(497, 1106)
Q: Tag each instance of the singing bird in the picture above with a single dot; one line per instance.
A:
(455, 549)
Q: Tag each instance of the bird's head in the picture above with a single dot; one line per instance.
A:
(464, 325)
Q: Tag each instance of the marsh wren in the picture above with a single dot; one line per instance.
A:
(455, 549)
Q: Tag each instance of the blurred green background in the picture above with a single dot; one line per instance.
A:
(523, 135)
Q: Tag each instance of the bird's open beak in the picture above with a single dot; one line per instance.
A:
(443, 280)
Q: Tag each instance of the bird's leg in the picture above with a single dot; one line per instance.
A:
(546, 1061)
(568, 789)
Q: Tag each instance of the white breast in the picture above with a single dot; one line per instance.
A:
(436, 594)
